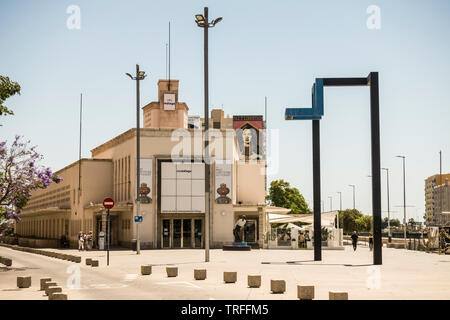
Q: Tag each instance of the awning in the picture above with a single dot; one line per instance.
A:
(327, 218)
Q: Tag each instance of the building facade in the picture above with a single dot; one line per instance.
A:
(441, 216)
(172, 185)
(431, 212)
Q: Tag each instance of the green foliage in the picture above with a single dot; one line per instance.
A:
(281, 194)
(353, 220)
(8, 88)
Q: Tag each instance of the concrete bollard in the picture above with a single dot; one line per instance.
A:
(146, 270)
(23, 282)
(7, 262)
(199, 274)
(88, 261)
(277, 286)
(336, 295)
(57, 296)
(172, 271)
(43, 281)
(48, 284)
(305, 292)
(230, 277)
(52, 289)
(76, 259)
(94, 263)
(254, 281)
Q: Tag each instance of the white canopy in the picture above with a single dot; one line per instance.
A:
(326, 217)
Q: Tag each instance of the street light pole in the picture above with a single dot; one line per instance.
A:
(203, 22)
(404, 199)
(353, 186)
(140, 75)
(331, 203)
(388, 207)
(338, 217)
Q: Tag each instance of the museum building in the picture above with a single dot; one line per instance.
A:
(172, 183)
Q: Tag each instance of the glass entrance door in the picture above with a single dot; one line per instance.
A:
(166, 233)
(176, 243)
(187, 233)
(198, 230)
(250, 231)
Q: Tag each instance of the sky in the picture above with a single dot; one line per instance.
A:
(261, 48)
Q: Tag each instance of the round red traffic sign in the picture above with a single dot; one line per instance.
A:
(108, 203)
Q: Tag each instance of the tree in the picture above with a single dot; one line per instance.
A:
(353, 220)
(19, 175)
(8, 88)
(281, 194)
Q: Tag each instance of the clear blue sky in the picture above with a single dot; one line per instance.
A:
(261, 48)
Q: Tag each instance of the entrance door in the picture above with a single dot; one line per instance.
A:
(250, 231)
(166, 233)
(176, 233)
(198, 233)
(187, 233)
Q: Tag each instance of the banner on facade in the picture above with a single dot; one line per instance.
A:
(146, 178)
(223, 183)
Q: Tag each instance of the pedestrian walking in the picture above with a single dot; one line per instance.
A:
(354, 240)
(370, 241)
(80, 241)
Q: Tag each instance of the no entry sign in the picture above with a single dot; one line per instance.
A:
(108, 203)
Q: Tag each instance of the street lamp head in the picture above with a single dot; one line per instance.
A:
(141, 75)
(401, 157)
(216, 21)
(199, 18)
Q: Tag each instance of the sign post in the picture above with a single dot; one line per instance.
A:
(108, 204)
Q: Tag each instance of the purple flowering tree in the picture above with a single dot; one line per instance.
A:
(20, 174)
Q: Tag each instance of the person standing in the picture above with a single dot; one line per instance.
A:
(80, 241)
(354, 240)
(370, 241)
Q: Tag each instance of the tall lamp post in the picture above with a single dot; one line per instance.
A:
(331, 203)
(388, 207)
(203, 22)
(140, 75)
(340, 209)
(404, 199)
(353, 186)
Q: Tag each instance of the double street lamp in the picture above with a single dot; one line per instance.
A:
(353, 186)
(203, 22)
(404, 199)
(140, 75)
(388, 207)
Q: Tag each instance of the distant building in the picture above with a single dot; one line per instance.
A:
(442, 196)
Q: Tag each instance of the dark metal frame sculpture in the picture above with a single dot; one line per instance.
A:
(315, 114)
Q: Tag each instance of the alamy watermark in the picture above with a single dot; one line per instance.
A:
(374, 20)
(74, 20)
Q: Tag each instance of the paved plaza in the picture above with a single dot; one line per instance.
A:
(403, 275)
